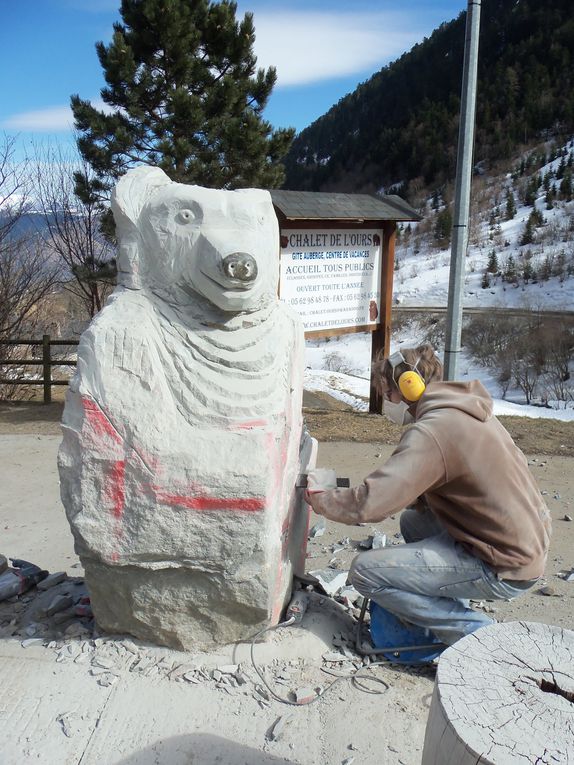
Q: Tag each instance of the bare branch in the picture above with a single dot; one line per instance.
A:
(72, 233)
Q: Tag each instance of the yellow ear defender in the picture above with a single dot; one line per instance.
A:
(411, 384)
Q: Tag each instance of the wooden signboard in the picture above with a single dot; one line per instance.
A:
(332, 278)
(339, 278)
(337, 262)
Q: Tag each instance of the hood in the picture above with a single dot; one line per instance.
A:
(470, 397)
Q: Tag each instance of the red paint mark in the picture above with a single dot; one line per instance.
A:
(274, 473)
(117, 487)
(109, 443)
(283, 453)
(249, 425)
(245, 504)
(98, 421)
(276, 612)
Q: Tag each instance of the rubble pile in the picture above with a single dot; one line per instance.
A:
(54, 618)
(43, 606)
(56, 615)
(332, 579)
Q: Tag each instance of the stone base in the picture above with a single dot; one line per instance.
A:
(179, 608)
(211, 601)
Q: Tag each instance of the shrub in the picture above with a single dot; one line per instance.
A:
(334, 362)
(434, 329)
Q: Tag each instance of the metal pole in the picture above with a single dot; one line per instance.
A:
(462, 191)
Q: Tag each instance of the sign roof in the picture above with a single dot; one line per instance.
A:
(324, 205)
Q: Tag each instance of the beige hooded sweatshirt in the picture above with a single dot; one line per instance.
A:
(472, 475)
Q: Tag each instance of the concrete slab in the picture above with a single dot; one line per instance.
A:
(32, 519)
(143, 720)
(54, 712)
(38, 701)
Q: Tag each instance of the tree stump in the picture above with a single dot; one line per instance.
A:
(504, 695)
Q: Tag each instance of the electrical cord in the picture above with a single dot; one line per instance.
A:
(352, 676)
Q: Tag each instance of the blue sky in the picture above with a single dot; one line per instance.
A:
(322, 49)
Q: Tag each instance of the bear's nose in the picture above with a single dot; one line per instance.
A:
(241, 266)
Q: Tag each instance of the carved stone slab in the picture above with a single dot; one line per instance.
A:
(183, 434)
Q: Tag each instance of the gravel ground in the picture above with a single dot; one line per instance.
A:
(73, 695)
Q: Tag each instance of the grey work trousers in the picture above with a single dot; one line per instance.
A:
(429, 580)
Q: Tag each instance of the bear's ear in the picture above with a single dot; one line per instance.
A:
(257, 195)
(133, 190)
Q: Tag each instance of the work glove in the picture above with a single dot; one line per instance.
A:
(320, 479)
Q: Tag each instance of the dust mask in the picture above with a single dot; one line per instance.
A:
(398, 413)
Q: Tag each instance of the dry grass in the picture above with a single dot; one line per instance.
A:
(551, 437)
(326, 419)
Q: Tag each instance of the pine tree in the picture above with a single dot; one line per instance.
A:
(528, 233)
(528, 272)
(559, 265)
(510, 205)
(545, 270)
(566, 186)
(536, 217)
(443, 227)
(485, 284)
(492, 266)
(186, 96)
(531, 189)
(510, 270)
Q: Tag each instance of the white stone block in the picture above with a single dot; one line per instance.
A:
(183, 434)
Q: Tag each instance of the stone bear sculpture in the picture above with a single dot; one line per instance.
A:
(183, 434)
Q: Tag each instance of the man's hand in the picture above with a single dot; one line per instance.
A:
(318, 481)
(321, 479)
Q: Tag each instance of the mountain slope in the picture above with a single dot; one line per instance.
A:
(402, 124)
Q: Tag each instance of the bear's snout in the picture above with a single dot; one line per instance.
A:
(240, 266)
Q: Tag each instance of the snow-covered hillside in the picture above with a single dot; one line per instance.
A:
(422, 273)
(536, 274)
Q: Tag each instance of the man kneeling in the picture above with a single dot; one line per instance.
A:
(475, 526)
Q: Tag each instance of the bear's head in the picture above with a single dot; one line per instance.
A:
(189, 240)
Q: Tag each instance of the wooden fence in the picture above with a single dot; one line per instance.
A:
(46, 362)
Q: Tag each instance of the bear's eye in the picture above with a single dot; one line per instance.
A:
(185, 216)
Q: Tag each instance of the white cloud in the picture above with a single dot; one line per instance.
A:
(56, 119)
(308, 47)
